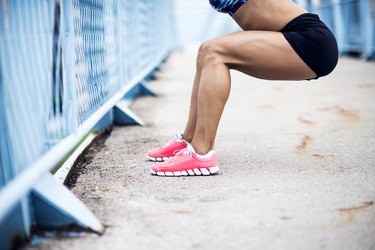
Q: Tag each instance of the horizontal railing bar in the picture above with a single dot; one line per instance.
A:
(23, 183)
(63, 170)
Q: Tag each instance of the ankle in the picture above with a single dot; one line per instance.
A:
(187, 137)
(201, 149)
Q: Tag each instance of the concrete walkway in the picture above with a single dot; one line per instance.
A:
(297, 169)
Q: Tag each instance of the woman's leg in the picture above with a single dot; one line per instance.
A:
(262, 54)
(189, 131)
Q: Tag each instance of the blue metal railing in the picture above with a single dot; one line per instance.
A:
(352, 22)
(64, 65)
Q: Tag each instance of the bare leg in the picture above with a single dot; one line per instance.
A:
(213, 93)
(262, 54)
(192, 120)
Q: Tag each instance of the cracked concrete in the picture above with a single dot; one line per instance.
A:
(297, 169)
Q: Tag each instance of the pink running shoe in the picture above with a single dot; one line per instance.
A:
(187, 162)
(169, 150)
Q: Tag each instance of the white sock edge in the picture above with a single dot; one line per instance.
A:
(208, 155)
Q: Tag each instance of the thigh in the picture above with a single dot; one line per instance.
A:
(262, 54)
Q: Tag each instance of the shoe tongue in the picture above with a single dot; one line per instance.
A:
(190, 148)
(178, 137)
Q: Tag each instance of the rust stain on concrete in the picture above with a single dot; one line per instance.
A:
(303, 119)
(366, 86)
(267, 106)
(325, 109)
(278, 89)
(319, 156)
(302, 148)
(347, 115)
(349, 214)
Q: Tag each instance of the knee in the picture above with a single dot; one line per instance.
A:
(209, 53)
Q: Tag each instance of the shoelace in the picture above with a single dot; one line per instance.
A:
(177, 151)
(180, 152)
(176, 138)
(185, 151)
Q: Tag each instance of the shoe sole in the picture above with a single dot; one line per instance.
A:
(158, 159)
(190, 172)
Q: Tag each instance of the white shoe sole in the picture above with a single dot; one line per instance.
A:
(158, 159)
(191, 172)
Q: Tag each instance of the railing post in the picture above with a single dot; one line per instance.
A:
(17, 223)
(55, 206)
(367, 22)
(339, 26)
(69, 73)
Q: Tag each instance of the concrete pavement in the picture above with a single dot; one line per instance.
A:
(297, 168)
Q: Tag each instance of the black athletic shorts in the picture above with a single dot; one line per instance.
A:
(313, 42)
